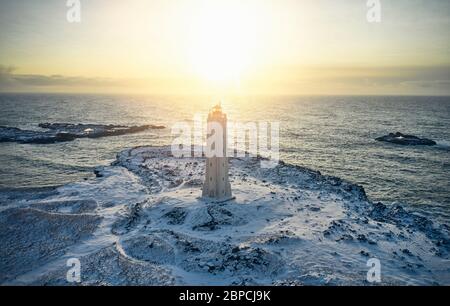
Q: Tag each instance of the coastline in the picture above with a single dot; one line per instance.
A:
(297, 227)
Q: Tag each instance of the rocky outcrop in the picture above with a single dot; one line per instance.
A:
(289, 225)
(62, 132)
(407, 140)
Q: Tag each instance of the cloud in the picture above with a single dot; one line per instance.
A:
(432, 80)
(10, 80)
(6, 70)
(59, 80)
(6, 79)
(412, 80)
(427, 80)
(13, 82)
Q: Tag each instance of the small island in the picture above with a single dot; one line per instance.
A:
(407, 140)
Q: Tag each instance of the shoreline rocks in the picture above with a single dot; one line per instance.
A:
(63, 132)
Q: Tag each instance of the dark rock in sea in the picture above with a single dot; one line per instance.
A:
(62, 132)
(11, 134)
(98, 173)
(407, 140)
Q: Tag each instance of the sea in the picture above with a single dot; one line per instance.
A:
(332, 134)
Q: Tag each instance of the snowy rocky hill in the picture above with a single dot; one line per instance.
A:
(141, 222)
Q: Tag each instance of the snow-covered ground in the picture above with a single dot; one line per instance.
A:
(141, 222)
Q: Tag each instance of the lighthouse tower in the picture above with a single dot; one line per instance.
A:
(217, 185)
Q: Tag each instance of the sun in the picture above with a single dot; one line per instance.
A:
(222, 41)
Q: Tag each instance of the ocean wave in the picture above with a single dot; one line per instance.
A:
(51, 164)
(443, 145)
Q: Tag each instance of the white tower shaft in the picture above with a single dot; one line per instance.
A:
(217, 185)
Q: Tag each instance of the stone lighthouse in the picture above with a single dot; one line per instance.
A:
(217, 185)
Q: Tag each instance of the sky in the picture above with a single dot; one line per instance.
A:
(226, 47)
